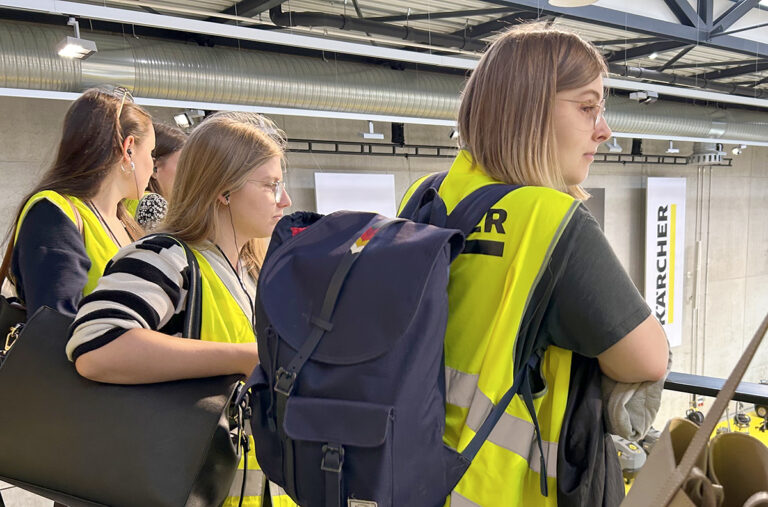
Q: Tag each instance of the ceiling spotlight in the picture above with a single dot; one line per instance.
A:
(614, 146)
(371, 134)
(653, 55)
(672, 148)
(571, 3)
(182, 120)
(188, 118)
(75, 47)
(644, 97)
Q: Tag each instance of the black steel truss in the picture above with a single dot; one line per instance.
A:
(694, 27)
(641, 51)
(326, 147)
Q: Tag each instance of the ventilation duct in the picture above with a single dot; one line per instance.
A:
(169, 70)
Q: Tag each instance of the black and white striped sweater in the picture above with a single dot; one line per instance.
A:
(145, 285)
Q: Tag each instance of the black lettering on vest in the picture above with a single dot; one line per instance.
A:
(484, 247)
(661, 264)
(495, 218)
(661, 283)
(661, 315)
(662, 215)
(476, 229)
(661, 230)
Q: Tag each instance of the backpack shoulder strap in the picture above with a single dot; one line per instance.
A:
(473, 207)
(417, 199)
(193, 309)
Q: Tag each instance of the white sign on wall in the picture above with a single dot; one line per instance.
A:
(355, 191)
(665, 253)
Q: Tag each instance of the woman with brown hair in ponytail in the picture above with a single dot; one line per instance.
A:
(73, 222)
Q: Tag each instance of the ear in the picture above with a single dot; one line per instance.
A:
(128, 144)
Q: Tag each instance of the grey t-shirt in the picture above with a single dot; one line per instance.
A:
(594, 303)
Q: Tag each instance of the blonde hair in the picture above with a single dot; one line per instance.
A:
(505, 118)
(216, 159)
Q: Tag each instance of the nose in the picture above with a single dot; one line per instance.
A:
(602, 131)
(285, 199)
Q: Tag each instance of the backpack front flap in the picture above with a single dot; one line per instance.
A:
(338, 417)
(379, 297)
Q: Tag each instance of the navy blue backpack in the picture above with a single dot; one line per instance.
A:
(348, 405)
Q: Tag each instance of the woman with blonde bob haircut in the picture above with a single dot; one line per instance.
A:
(538, 292)
(227, 193)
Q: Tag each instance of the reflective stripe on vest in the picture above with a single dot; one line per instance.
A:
(98, 245)
(224, 321)
(489, 293)
(512, 433)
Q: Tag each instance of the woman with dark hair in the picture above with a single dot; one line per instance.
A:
(540, 291)
(168, 144)
(150, 210)
(71, 224)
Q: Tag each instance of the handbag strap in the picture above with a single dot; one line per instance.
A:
(193, 310)
(700, 439)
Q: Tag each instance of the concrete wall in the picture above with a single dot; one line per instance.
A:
(726, 285)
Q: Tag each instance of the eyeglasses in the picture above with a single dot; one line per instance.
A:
(593, 112)
(122, 93)
(278, 187)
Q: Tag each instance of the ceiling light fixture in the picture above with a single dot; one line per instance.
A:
(614, 146)
(75, 47)
(371, 134)
(182, 120)
(672, 149)
(571, 3)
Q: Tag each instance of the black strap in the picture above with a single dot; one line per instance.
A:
(332, 464)
(426, 206)
(527, 397)
(286, 377)
(193, 309)
(415, 202)
(470, 210)
(520, 384)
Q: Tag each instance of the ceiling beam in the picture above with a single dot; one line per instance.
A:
(705, 11)
(249, 8)
(441, 15)
(641, 51)
(487, 28)
(704, 65)
(675, 58)
(642, 24)
(733, 14)
(735, 71)
(613, 42)
(683, 12)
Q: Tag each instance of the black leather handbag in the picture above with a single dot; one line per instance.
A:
(85, 443)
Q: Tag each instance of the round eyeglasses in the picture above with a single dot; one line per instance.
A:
(594, 111)
(278, 187)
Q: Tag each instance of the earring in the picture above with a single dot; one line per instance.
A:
(133, 166)
(123, 169)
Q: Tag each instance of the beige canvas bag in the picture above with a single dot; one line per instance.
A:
(685, 469)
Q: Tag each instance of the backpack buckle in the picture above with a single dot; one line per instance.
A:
(284, 381)
(333, 458)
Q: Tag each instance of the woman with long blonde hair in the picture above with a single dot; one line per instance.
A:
(228, 190)
(538, 292)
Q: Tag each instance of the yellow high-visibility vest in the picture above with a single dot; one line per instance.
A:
(488, 297)
(98, 245)
(224, 321)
